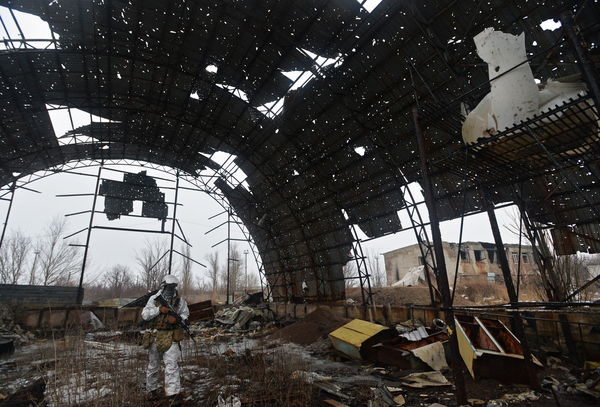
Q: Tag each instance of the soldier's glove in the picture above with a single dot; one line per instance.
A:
(164, 310)
(171, 319)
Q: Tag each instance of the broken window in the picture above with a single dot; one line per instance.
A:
(478, 255)
(515, 257)
(525, 258)
(464, 256)
(491, 256)
(421, 261)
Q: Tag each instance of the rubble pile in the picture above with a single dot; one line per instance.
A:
(11, 334)
(316, 325)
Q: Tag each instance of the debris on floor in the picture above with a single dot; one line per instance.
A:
(490, 349)
(416, 348)
(201, 311)
(11, 334)
(425, 379)
(315, 326)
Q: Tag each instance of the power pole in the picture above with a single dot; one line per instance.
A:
(246, 267)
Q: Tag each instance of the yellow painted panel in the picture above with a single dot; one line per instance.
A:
(467, 351)
(356, 332)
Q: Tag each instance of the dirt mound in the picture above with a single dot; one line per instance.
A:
(313, 327)
(417, 295)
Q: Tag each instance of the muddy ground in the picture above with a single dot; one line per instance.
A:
(260, 368)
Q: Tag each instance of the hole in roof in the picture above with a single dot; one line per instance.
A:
(299, 78)
(36, 31)
(272, 109)
(65, 120)
(16, 174)
(211, 68)
(296, 173)
(345, 214)
(234, 91)
(369, 5)
(194, 95)
(550, 25)
(360, 151)
(322, 62)
(229, 170)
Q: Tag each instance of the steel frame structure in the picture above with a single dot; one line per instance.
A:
(179, 83)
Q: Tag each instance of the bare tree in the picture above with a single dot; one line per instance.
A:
(350, 274)
(154, 263)
(13, 257)
(186, 271)
(213, 271)
(57, 261)
(118, 280)
(558, 275)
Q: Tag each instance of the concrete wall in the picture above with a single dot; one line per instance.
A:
(400, 261)
(64, 319)
(37, 296)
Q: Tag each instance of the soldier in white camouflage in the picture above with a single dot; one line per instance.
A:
(162, 338)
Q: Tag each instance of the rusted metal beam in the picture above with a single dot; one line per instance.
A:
(512, 294)
(588, 71)
(442, 276)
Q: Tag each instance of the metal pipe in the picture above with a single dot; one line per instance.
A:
(442, 276)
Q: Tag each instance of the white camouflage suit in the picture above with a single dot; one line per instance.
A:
(170, 357)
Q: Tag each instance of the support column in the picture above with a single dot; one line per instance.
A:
(442, 276)
(87, 239)
(228, 250)
(512, 294)
(588, 71)
(12, 196)
(174, 221)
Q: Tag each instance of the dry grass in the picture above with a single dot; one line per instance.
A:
(482, 292)
(95, 374)
(259, 377)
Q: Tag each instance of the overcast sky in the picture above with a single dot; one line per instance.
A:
(32, 212)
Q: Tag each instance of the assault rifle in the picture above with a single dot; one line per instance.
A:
(180, 322)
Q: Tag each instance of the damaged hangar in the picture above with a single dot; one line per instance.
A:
(323, 150)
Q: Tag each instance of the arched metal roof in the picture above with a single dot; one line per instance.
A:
(177, 81)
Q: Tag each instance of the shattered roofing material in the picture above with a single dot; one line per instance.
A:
(177, 81)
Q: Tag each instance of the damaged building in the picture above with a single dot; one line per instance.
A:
(478, 262)
(316, 126)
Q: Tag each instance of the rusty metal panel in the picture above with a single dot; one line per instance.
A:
(490, 349)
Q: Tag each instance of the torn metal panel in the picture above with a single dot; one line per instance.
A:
(490, 349)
